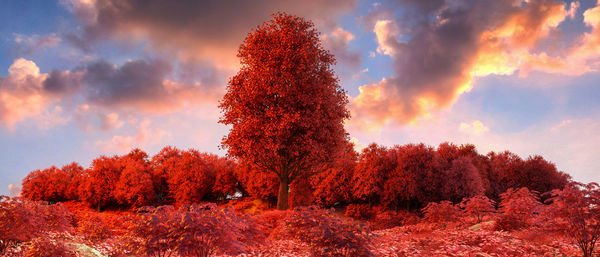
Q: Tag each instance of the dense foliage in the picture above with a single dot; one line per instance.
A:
(285, 106)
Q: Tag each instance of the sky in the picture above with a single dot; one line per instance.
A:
(84, 78)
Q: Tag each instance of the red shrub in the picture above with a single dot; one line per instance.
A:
(271, 219)
(359, 211)
(23, 220)
(92, 227)
(576, 211)
(518, 209)
(44, 247)
(442, 212)
(390, 219)
(326, 233)
(478, 206)
(191, 230)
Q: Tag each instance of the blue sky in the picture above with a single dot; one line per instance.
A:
(82, 78)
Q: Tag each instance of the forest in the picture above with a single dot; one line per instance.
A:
(292, 184)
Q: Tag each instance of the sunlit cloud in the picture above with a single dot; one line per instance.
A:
(437, 60)
(473, 128)
(144, 137)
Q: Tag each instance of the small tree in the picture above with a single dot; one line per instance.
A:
(285, 105)
(577, 208)
(442, 212)
(518, 208)
(478, 206)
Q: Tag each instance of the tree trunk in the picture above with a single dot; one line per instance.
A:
(282, 197)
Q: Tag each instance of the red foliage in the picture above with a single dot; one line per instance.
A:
(44, 247)
(164, 164)
(191, 230)
(478, 206)
(504, 168)
(285, 105)
(374, 165)
(576, 211)
(135, 186)
(193, 178)
(301, 193)
(462, 180)
(23, 220)
(386, 219)
(226, 184)
(518, 209)
(257, 183)
(540, 175)
(334, 184)
(92, 227)
(326, 233)
(442, 212)
(100, 180)
(417, 177)
(46, 185)
(359, 211)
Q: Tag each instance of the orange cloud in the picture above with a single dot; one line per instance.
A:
(145, 136)
(21, 93)
(438, 59)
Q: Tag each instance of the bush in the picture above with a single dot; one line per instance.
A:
(359, 211)
(326, 233)
(390, 219)
(92, 227)
(442, 212)
(191, 230)
(44, 247)
(23, 220)
(518, 209)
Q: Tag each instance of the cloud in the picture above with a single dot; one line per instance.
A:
(27, 44)
(387, 32)
(14, 190)
(474, 128)
(21, 93)
(145, 136)
(110, 121)
(439, 47)
(203, 30)
(337, 42)
(144, 85)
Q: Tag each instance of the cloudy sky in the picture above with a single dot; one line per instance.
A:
(81, 78)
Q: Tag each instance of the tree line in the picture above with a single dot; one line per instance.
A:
(400, 177)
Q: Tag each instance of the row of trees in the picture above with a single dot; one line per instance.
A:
(401, 177)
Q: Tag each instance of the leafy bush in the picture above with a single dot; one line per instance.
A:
(44, 247)
(326, 233)
(478, 206)
(359, 211)
(442, 212)
(518, 209)
(196, 230)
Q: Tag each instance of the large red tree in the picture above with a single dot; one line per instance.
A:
(285, 106)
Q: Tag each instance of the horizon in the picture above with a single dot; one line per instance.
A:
(80, 79)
